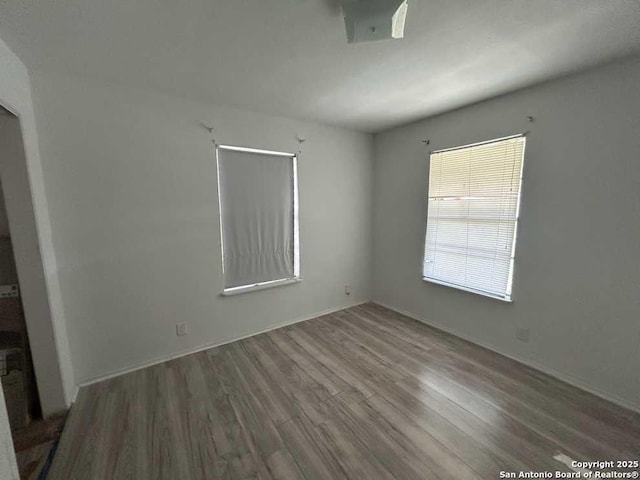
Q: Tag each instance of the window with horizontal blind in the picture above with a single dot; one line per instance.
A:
(258, 193)
(473, 204)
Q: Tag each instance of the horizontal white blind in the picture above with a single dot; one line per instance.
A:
(474, 195)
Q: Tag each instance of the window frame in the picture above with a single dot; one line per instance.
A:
(509, 296)
(296, 278)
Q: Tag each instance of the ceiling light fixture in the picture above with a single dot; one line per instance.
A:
(371, 20)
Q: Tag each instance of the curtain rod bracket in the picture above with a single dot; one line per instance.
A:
(208, 128)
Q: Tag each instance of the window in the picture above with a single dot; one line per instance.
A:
(258, 193)
(474, 198)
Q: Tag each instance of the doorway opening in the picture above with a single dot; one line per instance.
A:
(33, 436)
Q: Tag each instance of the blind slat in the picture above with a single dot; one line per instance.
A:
(473, 197)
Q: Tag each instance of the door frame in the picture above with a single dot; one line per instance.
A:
(39, 288)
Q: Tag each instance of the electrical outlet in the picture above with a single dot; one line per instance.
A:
(523, 334)
(181, 329)
(347, 290)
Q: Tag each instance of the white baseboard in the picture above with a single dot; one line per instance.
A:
(200, 348)
(530, 363)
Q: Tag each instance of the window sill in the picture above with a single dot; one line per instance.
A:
(259, 286)
(470, 290)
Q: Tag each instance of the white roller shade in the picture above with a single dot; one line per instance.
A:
(474, 196)
(257, 213)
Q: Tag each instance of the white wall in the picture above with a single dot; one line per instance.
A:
(577, 277)
(31, 234)
(131, 185)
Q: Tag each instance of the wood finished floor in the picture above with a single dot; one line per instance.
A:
(362, 393)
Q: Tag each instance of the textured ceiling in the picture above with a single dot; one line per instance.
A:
(291, 57)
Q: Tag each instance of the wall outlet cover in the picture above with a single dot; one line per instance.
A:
(181, 329)
(523, 334)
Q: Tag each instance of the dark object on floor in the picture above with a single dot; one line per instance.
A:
(38, 432)
(35, 446)
(47, 464)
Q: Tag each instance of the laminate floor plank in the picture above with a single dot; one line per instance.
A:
(529, 393)
(348, 417)
(613, 415)
(165, 422)
(310, 451)
(521, 386)
(503, 398)
(400, 454)
(627, 421)
(84, 450)
(278, 405)
(257, 438)
(200, 418)
(363, 393)
(75, 427)
(396, 352)
(338, 365)
(123, 429)
(485, 458)
(324, 377)
(349, 454)
(488, 426)
(362, 360)
(294, 382)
